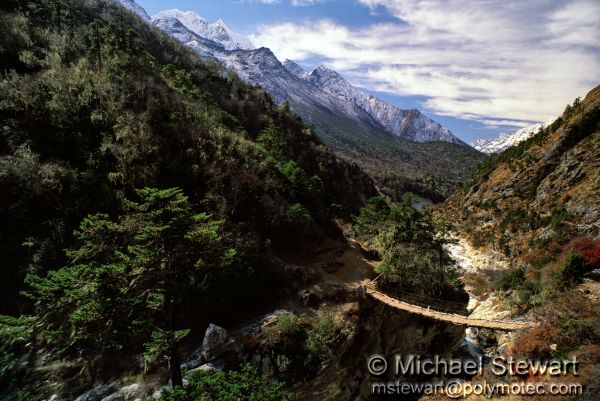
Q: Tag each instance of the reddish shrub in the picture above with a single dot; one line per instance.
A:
(580, 243)
(536, 343)
(588, 248)
(591, 256)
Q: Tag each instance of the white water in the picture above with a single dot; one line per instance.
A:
(472, 261)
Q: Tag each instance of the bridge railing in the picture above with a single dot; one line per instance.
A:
(448, 310)
(423, 301)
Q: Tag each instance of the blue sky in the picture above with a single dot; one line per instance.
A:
(478, 68)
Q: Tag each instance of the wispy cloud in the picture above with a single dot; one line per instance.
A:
(492, 123)
(519, 61)
(295, 3)
(262, 1)
(301, 3)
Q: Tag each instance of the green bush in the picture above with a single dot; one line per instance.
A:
(571, 270)
(288, 324)
(214, 385)
(371, 218)
(513, 280)
(299, 221)
(410, 243)
(321, 335)
(408, 268)
(19, 394)
(14, 333)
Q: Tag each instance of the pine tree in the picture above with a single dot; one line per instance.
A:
(128, 278)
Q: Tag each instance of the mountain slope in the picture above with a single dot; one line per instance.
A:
(124, 165)
(172, 121)
(538, 204)
(353, 124)
(542, 190)
(132, 6)
(407, 124)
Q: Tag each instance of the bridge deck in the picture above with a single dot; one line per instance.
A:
(447, 317)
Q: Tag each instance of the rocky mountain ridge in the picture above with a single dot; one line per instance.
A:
(508, 139)
(541, 190)
(408, 124)
(402, 150)
(135, 8)
(333, 91)
(218, 31)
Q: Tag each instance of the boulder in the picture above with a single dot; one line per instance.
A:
(282, 362)
(214, 342)
(98, 393)
(309, 299)
(127, 393)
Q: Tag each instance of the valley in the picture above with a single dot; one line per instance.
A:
(183, 217)
(403, 150)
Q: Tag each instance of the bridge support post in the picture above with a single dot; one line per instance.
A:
(361, 292)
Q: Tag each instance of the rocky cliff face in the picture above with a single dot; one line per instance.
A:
(383, 331)
(132, 6)
(541, 189)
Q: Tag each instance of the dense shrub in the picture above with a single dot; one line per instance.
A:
(214, 385)
(288, 324)
(15, 333)
(571, 270)
(309, 340)
(568, 320)
(513, 280)
(412, 255)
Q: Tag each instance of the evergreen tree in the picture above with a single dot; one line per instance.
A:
(128, 278)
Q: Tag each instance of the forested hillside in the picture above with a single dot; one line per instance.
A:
(142, 191)
(430, 169)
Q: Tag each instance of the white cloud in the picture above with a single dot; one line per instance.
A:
(491, 123)
(300, 3)
(262, 1)
(509, 60)
(295, 3)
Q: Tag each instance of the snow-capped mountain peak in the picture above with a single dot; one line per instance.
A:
(294, 68)
(327, 77)
(333, 83)
(322, 88)
(189, 19)
(132, 6)
(407, 124)
(507, 139)
(218, 31)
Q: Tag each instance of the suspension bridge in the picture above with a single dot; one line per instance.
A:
(446, 311)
